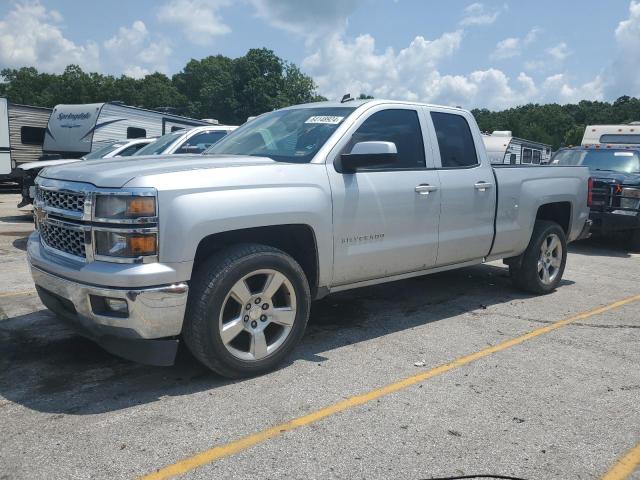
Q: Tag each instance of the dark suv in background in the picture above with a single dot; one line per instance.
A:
(615, 206)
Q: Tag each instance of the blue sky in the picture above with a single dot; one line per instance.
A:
(491, 54)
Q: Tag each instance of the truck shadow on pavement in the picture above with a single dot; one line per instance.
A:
(602, 247)
(47, 368)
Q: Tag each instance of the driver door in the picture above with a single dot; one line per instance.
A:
(386, 219)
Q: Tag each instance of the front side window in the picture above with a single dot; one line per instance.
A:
(127, 152)
(200, 142)
(292, 135)
(32, 135)
(401, 127)
(161, 144)
(106, 149)
(527, 155)
(457, 148)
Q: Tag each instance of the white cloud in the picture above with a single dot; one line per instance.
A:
(313, 20)
(559, 52)
(199, 20)
(512, 46)
(477, 14)
(623, 75)
(31, 35)
(413, 73)
(132, 51)
(507, 48)
(340, 66)
(532, 35)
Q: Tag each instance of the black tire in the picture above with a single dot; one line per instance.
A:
(635, 240)
(209, 287)
(525, 274)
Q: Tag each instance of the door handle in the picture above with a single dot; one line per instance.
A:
(425, 189)
(483, 186)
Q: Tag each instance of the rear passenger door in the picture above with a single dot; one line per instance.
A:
(468, 190)
(385, 219)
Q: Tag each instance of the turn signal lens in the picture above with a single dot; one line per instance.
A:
(125, 244)
(141, 207)
(142, 244)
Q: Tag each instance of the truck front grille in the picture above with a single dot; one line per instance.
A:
(59, 237)
(71, 201)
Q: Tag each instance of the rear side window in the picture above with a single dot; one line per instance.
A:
(527, 155)
(457, 148)
(401, 127)
(32, 135)
(133, 132)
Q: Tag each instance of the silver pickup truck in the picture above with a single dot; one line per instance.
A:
(227, 250)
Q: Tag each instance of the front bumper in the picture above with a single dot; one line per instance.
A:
(143, 334)
(605, 222)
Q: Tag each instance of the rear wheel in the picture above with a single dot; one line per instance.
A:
(542, 265)
(248, 308)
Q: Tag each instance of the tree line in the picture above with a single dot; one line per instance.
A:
(231, 90)
(220, 87)
(558, 125)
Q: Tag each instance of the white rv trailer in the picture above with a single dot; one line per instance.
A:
(75, 130)
(503, 148)
(22, 130)
(625, 134)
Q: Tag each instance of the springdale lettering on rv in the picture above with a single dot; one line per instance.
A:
(227, 250)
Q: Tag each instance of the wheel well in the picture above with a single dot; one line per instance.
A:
(559, 212)
(297, 240)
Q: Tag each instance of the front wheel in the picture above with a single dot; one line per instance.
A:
(248, 308)
(542, 265)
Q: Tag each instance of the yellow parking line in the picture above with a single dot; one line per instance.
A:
(216, 453)
(17, 294)
(624, 467)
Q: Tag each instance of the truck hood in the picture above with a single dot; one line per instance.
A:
(46, 163)
(117, 172)
(617, 177)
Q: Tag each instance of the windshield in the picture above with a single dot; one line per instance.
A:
(159, 146)
(608, 160)
(101, 152)
(293, 135)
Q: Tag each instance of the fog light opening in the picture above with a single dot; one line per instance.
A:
(116, 305)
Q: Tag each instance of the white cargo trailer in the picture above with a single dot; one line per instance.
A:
(624, 134)
(75, 130)
(503, 148)
(22, 129)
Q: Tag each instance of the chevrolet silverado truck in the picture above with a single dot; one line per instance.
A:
(227, 250)
(615, 170)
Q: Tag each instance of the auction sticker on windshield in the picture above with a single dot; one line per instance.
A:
(327, 119)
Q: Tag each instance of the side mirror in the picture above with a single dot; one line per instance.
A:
(367, 154)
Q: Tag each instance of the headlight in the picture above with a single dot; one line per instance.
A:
(631, 198)
(122, 207)
(125, 244)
